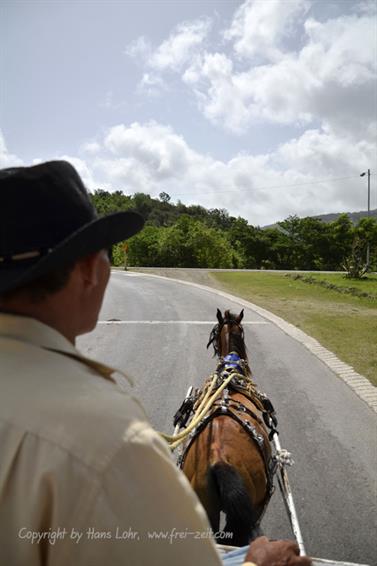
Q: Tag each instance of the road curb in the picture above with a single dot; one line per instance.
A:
(357, 382)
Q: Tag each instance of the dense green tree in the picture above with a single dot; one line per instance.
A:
(144, 247)
(250, 243)
(366, 233)
(143, 204)
(219, 218)
(192, 236)
(190, 243)
(306, 242)
(187, 243)
(106, 202)
(341, 239)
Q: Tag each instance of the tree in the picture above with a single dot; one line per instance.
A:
(143, 204)
(144, 248)
(312, 242)
(341, 239)
(106, 202)
(187, 243)
(164, 197)
(366, 230)
(219, 218)
(192, 236)
(248, 243)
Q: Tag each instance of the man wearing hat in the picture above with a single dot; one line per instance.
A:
(84, 480)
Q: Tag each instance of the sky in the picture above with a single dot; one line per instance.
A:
(267, 108)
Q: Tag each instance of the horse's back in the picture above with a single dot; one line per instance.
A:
(225, 442)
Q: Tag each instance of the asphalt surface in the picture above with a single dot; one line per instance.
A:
(159, 337)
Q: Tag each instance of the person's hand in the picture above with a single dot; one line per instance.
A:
(276, 553)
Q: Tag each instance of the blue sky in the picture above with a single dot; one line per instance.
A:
(265, 108)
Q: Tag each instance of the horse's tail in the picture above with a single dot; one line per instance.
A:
(241, 516)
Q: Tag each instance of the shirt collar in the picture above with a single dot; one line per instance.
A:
(32, 331)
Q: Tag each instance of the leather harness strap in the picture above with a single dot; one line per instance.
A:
(228, 408)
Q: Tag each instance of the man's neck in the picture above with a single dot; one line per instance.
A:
(43, 313)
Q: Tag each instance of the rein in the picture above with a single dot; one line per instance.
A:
(177, 439)
(232, 370)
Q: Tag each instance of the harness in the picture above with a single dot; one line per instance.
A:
(236, 370)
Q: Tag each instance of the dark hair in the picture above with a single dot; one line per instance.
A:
(43, 286)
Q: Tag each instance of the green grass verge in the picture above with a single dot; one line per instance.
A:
(343, 323)
(369, 284)
(366, 287)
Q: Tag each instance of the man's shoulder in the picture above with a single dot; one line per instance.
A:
(64, 402)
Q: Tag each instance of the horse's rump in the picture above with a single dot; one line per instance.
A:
(229, 471)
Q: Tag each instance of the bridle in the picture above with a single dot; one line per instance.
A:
(216, 331)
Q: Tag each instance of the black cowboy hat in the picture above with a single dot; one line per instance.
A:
(47, 220)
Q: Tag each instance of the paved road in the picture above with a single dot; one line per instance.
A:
(330, 431)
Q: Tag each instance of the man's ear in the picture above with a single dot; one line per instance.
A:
(89, 270)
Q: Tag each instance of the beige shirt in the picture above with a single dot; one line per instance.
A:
(81, 467)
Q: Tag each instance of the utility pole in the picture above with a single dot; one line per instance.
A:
(368, 248)
(125, 251)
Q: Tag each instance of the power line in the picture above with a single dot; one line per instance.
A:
(332, 179)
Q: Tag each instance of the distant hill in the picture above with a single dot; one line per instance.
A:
(354, 216)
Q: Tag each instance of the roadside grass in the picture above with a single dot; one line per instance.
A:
(340, 283)
(369, 284)
(343, 323)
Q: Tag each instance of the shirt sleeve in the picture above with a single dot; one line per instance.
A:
(145, 512)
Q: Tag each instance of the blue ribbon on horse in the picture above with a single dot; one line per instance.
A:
(232, 361)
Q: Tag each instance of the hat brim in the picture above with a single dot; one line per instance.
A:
(99, 234)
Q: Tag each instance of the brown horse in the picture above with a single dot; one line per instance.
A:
(228, 459)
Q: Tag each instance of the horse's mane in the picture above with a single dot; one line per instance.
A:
(237, 344)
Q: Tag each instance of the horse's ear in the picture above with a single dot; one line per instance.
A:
(239, 317)
(219, 316)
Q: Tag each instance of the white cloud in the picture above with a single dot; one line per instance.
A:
(90, 147)
(7, 159)
(180, 46)
(320, 155)
(300, 177)
(219, 92)
(332, 79)
(140, 47)
(259, 27)
(277, 65)
(151, 84)
(285, 68)
(156, 148)
(176, 50)
(295, 179)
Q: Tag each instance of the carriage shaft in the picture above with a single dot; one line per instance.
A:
(286, 491)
